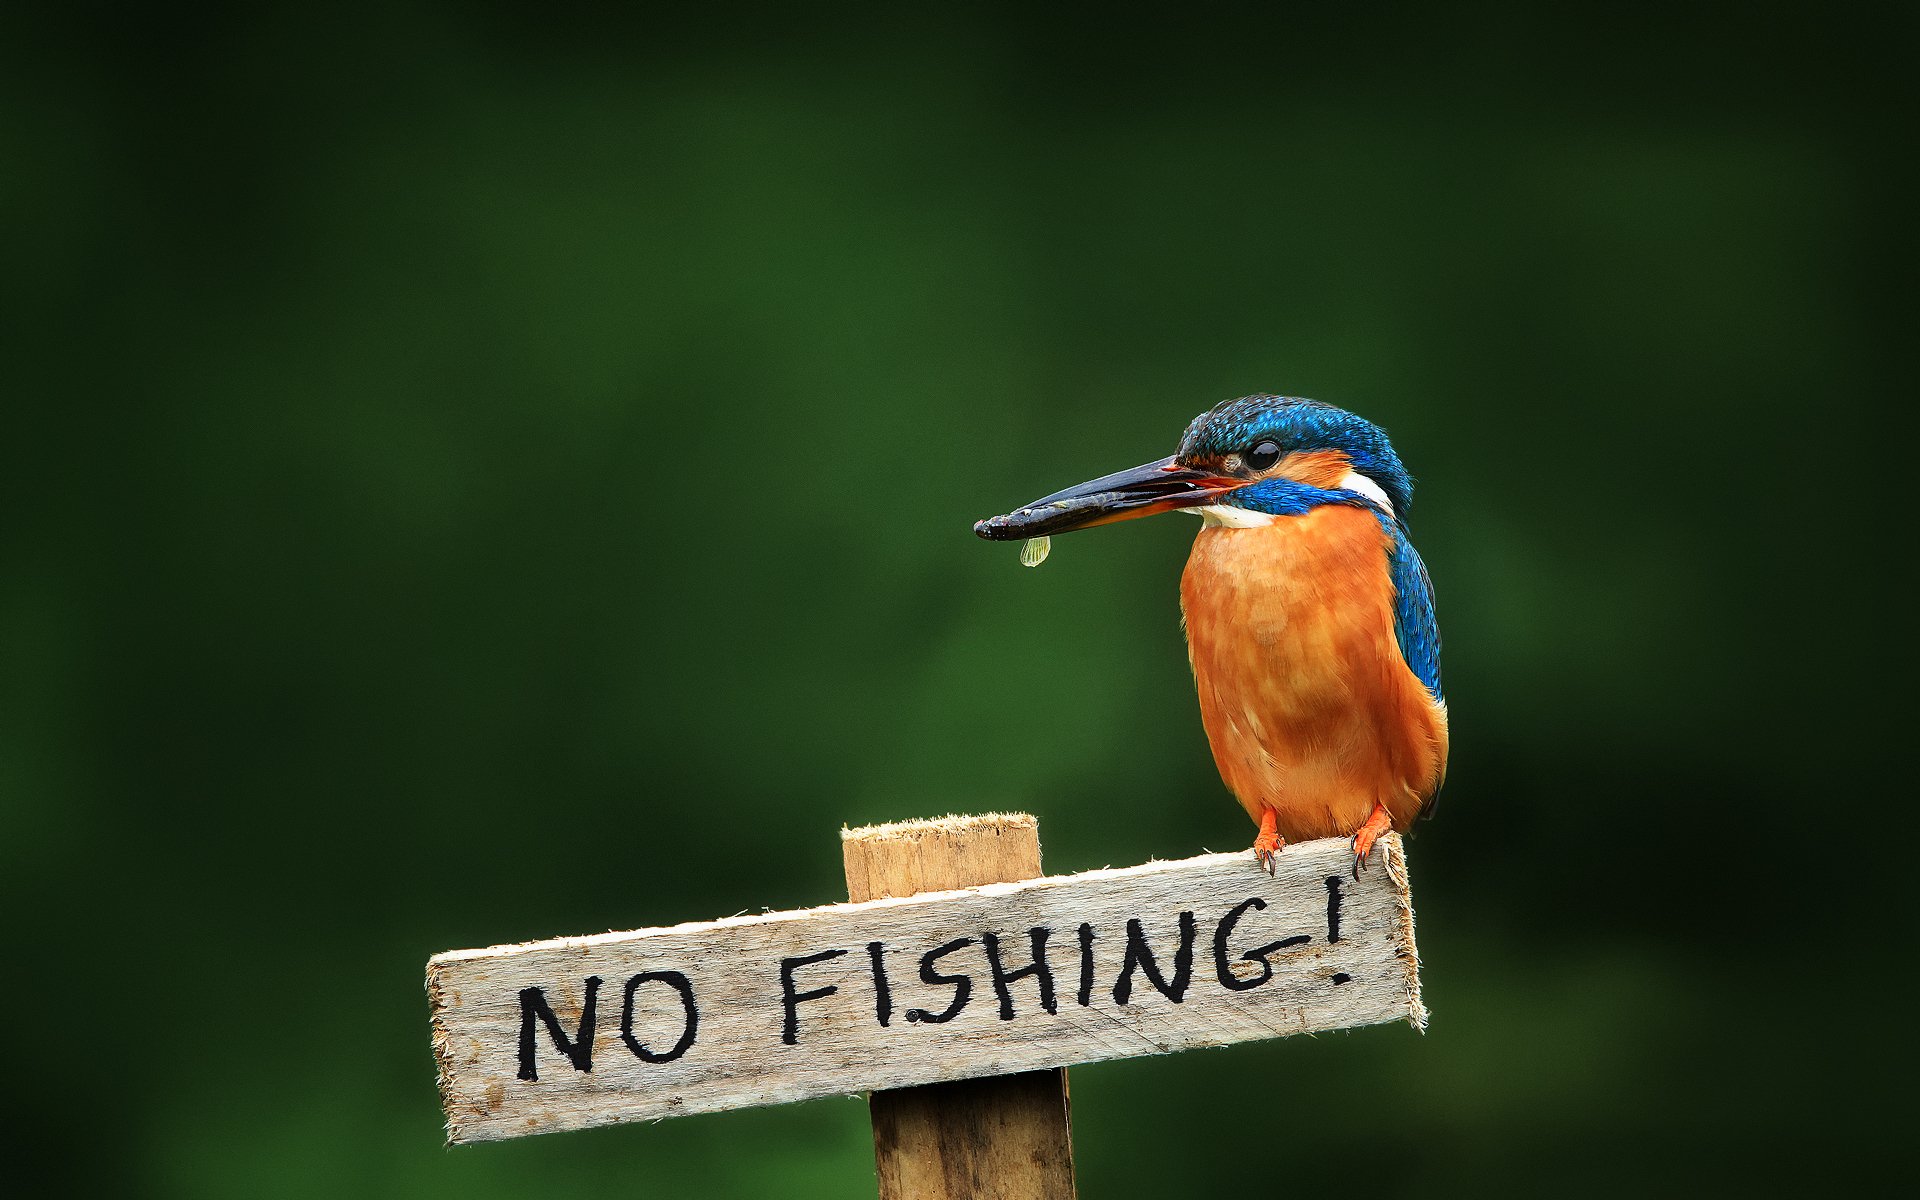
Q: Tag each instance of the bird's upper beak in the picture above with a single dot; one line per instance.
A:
(1138, 492)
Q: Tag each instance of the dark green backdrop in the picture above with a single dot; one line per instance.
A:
(477, 475)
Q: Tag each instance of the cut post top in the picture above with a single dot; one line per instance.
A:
(905, 858)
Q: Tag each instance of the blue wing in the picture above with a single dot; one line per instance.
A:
(1414, 625)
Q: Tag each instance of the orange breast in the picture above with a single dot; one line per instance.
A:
(1307, 702)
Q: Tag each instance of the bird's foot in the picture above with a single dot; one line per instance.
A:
(1269, 843)
(1378, 822)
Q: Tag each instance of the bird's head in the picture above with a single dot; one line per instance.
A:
(1244, 462)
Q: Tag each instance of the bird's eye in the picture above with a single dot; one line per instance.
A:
(1262, 455)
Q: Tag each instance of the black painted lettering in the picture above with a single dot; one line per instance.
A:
(578, 1048)
(1333, 908)
(882, 992)
(1085, 994)
(790, 1000)
(1140, 955)
(1037, 968)
(1224, 968)
(962, 985)
(689, 1029)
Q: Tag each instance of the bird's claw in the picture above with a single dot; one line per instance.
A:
(1361, 843)
(1268, 844)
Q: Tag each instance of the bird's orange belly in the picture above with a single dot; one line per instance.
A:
(1307, 702)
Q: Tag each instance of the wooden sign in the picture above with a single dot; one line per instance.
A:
(990, 980)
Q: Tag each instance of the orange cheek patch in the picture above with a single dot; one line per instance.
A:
(1315, 468)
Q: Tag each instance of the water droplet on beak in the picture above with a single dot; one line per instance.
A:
(1033, 551)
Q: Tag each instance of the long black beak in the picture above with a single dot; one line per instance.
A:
(1139, 492)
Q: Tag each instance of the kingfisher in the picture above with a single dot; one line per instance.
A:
(1309, 615)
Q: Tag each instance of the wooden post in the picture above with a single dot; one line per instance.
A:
(1004, 1136)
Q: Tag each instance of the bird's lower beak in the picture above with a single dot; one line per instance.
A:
(1141, 491)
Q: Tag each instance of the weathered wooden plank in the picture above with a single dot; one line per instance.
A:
(576, 1032)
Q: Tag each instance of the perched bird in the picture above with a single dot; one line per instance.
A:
(1309, 616)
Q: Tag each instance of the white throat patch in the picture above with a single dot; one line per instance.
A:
(1218, 516)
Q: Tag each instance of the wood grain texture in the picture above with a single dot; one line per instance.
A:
(941, 855)
(487, 1035)
(1007, 1137)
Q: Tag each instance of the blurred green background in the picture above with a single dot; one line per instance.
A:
(478, 473)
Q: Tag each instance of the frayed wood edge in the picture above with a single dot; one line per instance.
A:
(442, 1052)
(1407, 950)
(931, 826)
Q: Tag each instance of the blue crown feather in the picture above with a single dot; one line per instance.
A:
(1295, 423)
